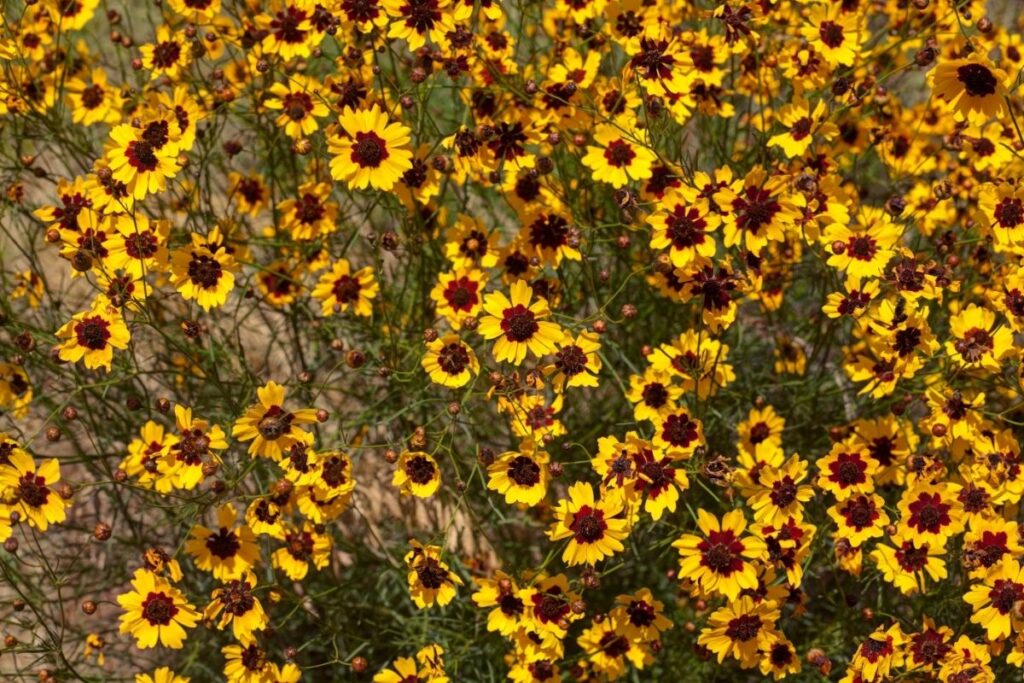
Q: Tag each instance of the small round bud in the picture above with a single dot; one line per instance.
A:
(355, 359)
(359, 665)
(88, 607)
(322, 415)
(53, 434)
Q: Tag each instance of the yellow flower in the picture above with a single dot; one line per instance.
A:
(93, 101)
(300, 103)
(161, 675)
(193, 449)
(92, 336)
(501, 593)
(976, 340)
(720, 560)
(618, 158)
(457, 295)
(684, 224)
(227, 552)
(518, 324)
(156, 612)
(29, 491)
(449, 361)
(864, 248)
(802, 124)
(415, 20)
(834, 34)
(339, 289)
(521, 476)
(417, 474)
(740, 629)
(972, 87)
(431, 582)
(907, 561)
(271, 427)
(236, 605)
(595, 529)
(371, 152)
(302, 547)
(202, 274)
(577, 361)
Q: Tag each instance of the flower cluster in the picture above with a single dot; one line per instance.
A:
(455, 340)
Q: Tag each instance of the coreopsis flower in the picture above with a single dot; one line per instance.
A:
(300, 103)
(449, 361)
(976, 341)
(931, 512)
(635, 466)
(652, 394)
(880, 654)
(202, 273)
(854, 301)
(235, 604)
(678, 433)
(92, 336)
(458, 295)
(609, 651)
(339, 289)
(139, 246)
(859, 517)
(414, 21)
(1002, 209)
(802, 123)
(658, 61)
(834, 34)
(167, 55)
(431, 582)
(698, 362)
(618, 158)
(720, 559)
(549, 235)
(595, 528)
(518, 324)
(757, 211)
(93, 100)
(143, 159)
(863, 249)
(417, 474)
(779, 495)
(522, 475)
(639, 617)
(290, 30)
(973, 87)
(927, 648)
(302, 547)
(148, 460)
(28, 490)
(269, 426)
(684, 224)
(162, 675)
(989, 540)
(197, 11)
(549, 603)
(193, 449)
(907, 562)
(369, 151)
(577, 362)
(156, 612)
(503, 595)
(469, 244)
(15, 390)
(310, 213)
(246, 663)
(740, 629)
(847, 471)
(227, 552)
(969, 660)
(780, 660)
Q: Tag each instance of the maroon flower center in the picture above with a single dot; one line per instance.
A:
(860, 512)
(519, 323)
(1009, 212)
(92, 96)
(685, 227)
(224, 543)
(721, 552)
(743, 628)
(453, 358)
(165, 54)
(831, 34)
(92, 332)
(524, 471)
(420, 470)
(297, 105)
(461, 294)
(588, 525)
(1005, 594)
(929, 513)
(369, 150)
(32, 490)
(679, 430)
(848, 470)
(431, 574)
(862, 247)
(783, 492)
(619, 153)
(158, 609)
(975, 345)
(978, 79)
(346, 289)
(204, 271)
(550, 231)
